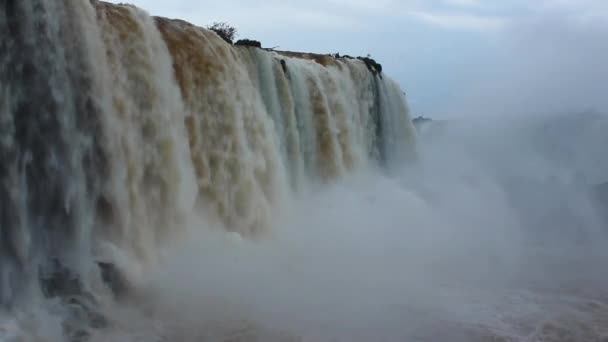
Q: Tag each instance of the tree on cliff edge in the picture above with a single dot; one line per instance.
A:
(224, 30)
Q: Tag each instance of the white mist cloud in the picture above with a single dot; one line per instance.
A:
(465, 3)
(460, 21)
(480, 240)
(549, 63)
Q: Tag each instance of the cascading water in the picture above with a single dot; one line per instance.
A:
(149, 186)
(52, 161)
(159, 184)
(117, 127)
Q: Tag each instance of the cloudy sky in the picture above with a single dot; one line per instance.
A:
(451, 56)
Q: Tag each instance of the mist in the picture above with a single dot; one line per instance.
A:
(493, 233)
(548, 62)
(497, 236)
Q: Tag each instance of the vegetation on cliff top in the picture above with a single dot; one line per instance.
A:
(249, 42)
(228, 33)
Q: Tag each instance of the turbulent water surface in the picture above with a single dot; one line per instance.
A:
(158, 184)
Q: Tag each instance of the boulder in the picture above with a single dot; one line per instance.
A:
(113, 278)
(81, 308)
(56, 280)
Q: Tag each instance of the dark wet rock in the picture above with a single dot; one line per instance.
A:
(81, 316)
(56, 280)
(80, 306)
(83, 309)
(284, 65)
(249, 43)
(113, 278)
(97, 320)
(76, 335)
(371, 64)
(105, 210)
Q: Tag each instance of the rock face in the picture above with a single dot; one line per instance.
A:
(372, 65)
(56, 280)
(81, 307)
(114, 279)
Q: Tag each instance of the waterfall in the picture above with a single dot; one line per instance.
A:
(160, 184)
(115, 127)
(50, 125)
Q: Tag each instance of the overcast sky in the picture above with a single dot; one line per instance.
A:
(452, 57)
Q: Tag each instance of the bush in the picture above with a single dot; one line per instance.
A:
(224, 30)
(249, 42)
